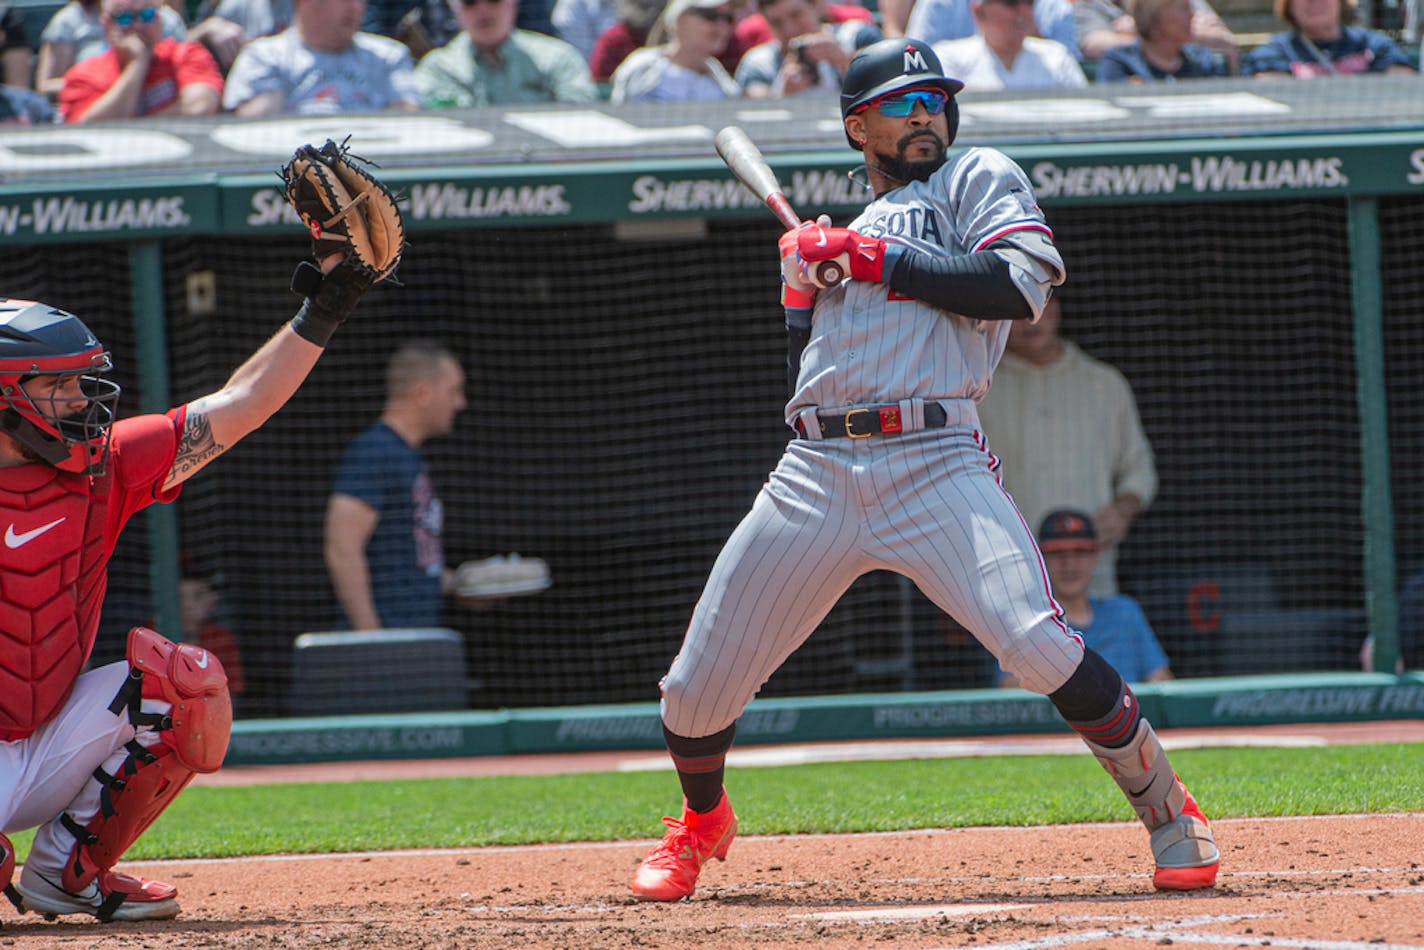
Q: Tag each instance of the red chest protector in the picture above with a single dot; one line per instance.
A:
(53, 551)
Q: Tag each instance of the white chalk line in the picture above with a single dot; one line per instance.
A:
(1163, 935)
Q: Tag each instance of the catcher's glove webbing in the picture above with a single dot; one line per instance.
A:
(347, 212)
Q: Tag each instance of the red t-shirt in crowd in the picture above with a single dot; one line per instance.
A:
(174, 65)
(612, 47)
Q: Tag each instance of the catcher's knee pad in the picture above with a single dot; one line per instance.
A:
(193, 736)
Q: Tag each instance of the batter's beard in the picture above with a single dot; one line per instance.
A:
(901, 169)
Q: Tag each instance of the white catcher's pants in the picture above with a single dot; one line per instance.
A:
(928, 505)
(51, 772)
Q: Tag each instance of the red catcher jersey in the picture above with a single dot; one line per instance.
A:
(57, 532)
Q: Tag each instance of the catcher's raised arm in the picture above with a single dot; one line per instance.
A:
(357, 240)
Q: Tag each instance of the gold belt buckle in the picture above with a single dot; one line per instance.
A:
(850, 415)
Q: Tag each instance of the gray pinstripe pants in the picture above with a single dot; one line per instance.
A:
(928, 505)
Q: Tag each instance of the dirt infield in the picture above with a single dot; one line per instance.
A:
(1335, 883)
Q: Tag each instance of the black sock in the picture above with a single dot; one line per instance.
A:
(701, 764)
(1097, 703)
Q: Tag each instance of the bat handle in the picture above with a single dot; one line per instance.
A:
(779, 206)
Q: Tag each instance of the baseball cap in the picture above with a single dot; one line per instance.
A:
(677, 8)
(1067, 529)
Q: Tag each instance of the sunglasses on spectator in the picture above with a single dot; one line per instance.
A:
(714, 16)
(897, 105)
(125, 18)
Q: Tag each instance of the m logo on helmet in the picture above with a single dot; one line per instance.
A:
(915, 61)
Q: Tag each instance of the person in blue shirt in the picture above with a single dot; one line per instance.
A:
(1321, 43)
(384, 521)
(1114, 626)
(1164, 51)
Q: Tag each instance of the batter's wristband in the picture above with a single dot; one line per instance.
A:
(796, 299)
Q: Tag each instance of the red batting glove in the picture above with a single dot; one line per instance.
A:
(866, 254)
(796, 290)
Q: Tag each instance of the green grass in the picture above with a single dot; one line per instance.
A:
(860, 796)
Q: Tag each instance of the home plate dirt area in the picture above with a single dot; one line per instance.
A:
(1353, 882)
(1337, 883)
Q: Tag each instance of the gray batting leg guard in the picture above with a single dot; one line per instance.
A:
(1181, 838)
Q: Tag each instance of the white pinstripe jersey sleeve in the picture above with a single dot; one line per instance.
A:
(871, 345)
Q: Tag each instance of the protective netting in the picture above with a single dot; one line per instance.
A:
(625, 407)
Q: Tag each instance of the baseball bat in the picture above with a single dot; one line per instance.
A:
(750, 167)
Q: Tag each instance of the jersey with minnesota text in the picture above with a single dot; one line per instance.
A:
(870, 344)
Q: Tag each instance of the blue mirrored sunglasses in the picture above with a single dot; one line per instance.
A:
(900, 104)
(124, 19)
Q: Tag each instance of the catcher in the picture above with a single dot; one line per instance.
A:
(92, 758)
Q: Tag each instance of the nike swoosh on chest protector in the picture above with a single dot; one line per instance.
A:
(13, 540)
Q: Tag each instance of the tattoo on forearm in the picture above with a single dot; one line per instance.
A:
(197, 447)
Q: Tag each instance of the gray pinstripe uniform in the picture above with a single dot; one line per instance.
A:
(927, 503)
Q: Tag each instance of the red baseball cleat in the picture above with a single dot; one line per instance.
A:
(110, 896)
(670, 870)
(1185, 851)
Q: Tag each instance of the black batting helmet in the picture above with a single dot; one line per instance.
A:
(40, 348)
(896, 64)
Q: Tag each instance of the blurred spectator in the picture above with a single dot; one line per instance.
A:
(16, 60)
(422, 25)
(754, 30)
(492, 63)
(1102, 24)
(222, 38)
(1114, 626)
(1067, 430)
(241, 20)
(141, 73)
(686, 67)
(895, 16)
(20, 106)
(255, 18)
(198, 604)
(1413, 30)
(75, 33)
(808, 51)
(580, 22)
(384, 520)
(629, 31)
(322, 65)
(1004, 55)
(1163, 52)
(1319, 43)
(936, 20)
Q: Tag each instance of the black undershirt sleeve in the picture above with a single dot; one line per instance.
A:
(977, 286)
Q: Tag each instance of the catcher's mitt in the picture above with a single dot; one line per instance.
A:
(345, 208)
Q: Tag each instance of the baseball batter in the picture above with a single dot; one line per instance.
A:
(92, 758)
(891, 471)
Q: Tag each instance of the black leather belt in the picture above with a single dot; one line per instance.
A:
(864, 422)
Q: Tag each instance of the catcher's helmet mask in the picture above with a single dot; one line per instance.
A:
(42, 348)
(891, 65)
